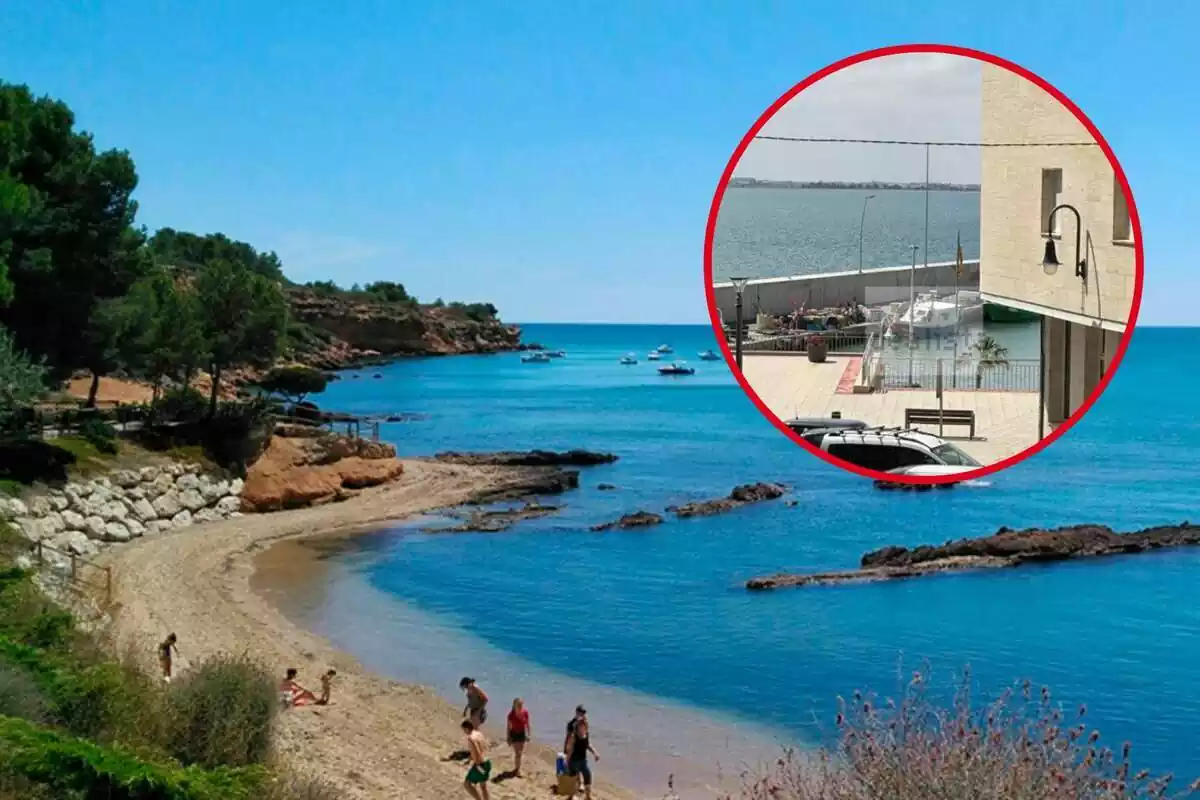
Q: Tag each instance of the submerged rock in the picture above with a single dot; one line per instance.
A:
(740, 496)
(496, 520)
(638, 519)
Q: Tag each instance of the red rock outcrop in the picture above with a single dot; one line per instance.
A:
(296, 472)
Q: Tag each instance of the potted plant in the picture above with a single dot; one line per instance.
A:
(817, 349)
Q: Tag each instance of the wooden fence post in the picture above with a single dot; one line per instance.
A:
(40, 557)
(108, 587)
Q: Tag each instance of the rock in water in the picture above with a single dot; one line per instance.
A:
(638, 519)
(740, 496)
(1006, 548)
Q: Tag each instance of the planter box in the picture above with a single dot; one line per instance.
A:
(817, 351)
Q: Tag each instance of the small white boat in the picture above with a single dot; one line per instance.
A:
(664, 348)
(932, 314)
(629, 358)
(536, 358)
(709, 355)
(654, 356)
(678, 368)
(557, 353)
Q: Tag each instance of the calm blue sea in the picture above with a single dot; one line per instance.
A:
(662, 613)
(768, 233)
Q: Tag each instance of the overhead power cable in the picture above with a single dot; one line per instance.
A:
(830, 140)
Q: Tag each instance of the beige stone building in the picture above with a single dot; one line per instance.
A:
(1082, 321)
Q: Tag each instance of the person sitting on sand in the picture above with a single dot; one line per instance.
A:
(166, 649)
(292, 693)
(326, 687)
(481, 768)
(477, 700)
(577, 746)
(519, 732)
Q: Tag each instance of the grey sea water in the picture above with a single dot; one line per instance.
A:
(771, 233)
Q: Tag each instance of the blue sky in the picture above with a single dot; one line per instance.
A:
(555, 158)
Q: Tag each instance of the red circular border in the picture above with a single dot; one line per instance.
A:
(868, 55)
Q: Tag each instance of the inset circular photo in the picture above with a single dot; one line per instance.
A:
(924, 264)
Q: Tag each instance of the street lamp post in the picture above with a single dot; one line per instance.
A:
(1050, 265)
(739, 286)
(862, 218)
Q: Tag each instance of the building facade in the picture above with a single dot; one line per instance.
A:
(1082, 321)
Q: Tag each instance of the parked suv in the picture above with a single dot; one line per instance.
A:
(885, 449)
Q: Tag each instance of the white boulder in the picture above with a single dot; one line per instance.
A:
(212, 492)
(235, 486)
(76, 542)
(116, 532)
(142, 510)
(73, 520)
(126, 478)
(149, 474)
(114, 511)
(94, 526)
(229, 504)
(187, 481)
(182, 519)
(191, 499)
(135, 528)
(168, 504)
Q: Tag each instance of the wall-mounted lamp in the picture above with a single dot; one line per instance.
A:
(1050, 262)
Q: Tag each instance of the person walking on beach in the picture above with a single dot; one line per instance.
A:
(476, 782)
(519, 732)
(167, 649)
(577, 746)
(477, 700)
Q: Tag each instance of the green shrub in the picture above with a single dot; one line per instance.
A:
(221, 713)
(183, 403)
(100, 435)
(20, 696)
(70, 768)
(27, 616)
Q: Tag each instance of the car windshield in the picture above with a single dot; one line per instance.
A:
(949, 454)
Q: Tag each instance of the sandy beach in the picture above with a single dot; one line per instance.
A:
(378, 738)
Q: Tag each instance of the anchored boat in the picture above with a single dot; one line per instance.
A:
(536, 358)
(678, 368)
(629, 358)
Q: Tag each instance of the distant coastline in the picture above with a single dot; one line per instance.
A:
(759, 183)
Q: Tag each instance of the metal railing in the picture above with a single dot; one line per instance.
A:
(866, 370)
(1013, 375)
(840, 343)
(81, 573)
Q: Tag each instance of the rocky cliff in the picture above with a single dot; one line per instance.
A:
(332, 331)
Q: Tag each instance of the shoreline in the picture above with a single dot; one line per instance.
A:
(645, 740)
(379, 738)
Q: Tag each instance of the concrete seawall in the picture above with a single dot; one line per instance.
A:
(871, 286)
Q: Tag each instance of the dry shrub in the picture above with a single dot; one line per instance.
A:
(302, 787)
(1022, 746)
(221, 713)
